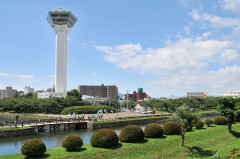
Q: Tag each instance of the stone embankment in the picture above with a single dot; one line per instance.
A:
(100, 125)
(111, 124)
(17, 132)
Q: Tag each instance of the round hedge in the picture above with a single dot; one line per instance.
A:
(33, 148)
(208, 122)
(104, 138)
(199, 124)
(153, 130)
(220, 120)
(72, 142)
(171, 128)
(131, 133)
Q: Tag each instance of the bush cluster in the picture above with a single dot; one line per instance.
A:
(86, 109)
(153, 130)
(131, 133)
(220, 120)
(72, 142)
(33, 148)
(171, 128)
(198, 124)
(104, 138)
(208, 122)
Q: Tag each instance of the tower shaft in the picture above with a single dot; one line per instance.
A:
(61, 58)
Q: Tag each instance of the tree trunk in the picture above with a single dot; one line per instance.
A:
(230, 125)
(183, 133)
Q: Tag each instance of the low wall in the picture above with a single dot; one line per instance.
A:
(17, 132)
(210, 114)
(101, 125)
(13, 117)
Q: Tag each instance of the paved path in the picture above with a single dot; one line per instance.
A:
(107, 115)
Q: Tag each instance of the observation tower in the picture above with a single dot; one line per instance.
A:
(61, 20)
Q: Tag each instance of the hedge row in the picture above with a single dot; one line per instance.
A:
(86, 109)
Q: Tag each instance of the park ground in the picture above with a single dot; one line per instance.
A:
(200, 143)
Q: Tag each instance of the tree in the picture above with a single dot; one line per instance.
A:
(185, 118)
(229, 109)
(74, 93)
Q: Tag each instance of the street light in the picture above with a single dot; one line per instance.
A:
(127, 97)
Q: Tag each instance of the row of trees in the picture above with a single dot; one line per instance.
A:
(29, 103)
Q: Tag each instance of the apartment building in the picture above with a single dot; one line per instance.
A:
(102, 91)
(8, 92)
(136, 96)
(233, 94)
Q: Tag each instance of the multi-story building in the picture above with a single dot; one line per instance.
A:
(27, 90)
(197, 94)
(136, 96)
(8, 92)
(102, 91)
(233, 94)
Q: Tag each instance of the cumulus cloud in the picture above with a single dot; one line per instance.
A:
(187, 55)
(215, 82)
(231, 5)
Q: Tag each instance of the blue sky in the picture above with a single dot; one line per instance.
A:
(166, 47)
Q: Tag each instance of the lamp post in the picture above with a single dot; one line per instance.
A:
(127, 97)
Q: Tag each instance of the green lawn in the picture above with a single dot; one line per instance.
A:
(203, 143)
(27, 127)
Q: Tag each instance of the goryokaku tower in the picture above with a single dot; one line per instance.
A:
(61, 20)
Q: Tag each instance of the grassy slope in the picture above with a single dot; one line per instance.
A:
(198, 144)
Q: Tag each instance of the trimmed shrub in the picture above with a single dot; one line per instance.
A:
(131, 133)
(171, 128)
(153, 130)
(33, 148)
(104, 138)
(208, 122)
(86, 109)
(220, 120)
(72, 142)
(198, 124)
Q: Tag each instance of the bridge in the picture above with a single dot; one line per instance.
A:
(53, 125)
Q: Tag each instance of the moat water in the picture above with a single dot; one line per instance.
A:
(53, 139)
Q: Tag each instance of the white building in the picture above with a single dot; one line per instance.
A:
(27, 90)
(233, 94)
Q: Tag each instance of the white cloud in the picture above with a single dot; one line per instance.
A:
(214, 82)
(216, 21)
(22, 76)
(229, 54)
(231, 5)
(94, 74)
(187, 30)
(185, 56)
(206, 34)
